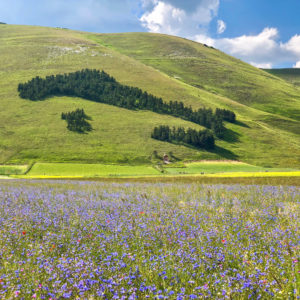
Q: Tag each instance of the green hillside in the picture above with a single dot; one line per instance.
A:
(208, 69)
(289, 74)
(267, 107)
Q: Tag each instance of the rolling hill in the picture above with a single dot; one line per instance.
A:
(267, 107)
(289, 74)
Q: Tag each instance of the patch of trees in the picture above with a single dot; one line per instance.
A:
(226, 115)
(100, 87)
(2, 23)
(208, 46)
(200, 139)
(77, 121)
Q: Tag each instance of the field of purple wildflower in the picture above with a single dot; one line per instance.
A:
(95, 240)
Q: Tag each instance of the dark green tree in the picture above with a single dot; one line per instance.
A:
(200, 139)
(218, 127)
(77, 121)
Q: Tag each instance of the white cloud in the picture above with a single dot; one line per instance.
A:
(204, 39)
(221, 26)
(293, 45)
(251, 45)
(165, 17)
(297, 65)
(259, 50)
(262, 66)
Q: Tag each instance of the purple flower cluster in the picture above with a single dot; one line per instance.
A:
(91, 240)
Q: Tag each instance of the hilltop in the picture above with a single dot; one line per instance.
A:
(171, 68)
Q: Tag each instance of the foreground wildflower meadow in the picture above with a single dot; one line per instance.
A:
(93, 240)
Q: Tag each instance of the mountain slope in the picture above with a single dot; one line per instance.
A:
(209, 69)
(290, 75)
(33, 131)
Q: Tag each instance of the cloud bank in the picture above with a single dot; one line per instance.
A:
(182, 18)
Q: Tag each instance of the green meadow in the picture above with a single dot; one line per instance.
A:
(219, 167)
(90, 170)
(267, 107)
(203, 168)
(13, 169)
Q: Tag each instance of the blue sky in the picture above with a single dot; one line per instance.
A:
(265, 33)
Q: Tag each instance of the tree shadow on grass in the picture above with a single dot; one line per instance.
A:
(81, 130)
(227, 154)
(224, 153)
(242, 124)
(231, 136)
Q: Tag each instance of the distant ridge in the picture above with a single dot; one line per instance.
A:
(289, 74)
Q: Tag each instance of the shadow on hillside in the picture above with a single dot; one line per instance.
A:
(242, 124)
(82, 131)
(225, 153)
(231, 136)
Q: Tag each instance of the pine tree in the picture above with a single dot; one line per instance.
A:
(77, 121)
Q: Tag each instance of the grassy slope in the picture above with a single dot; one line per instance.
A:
(209, 69)
(33, 131)
(269, 105)
(290, 75)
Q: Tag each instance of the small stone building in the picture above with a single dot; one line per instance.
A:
(166, 159)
